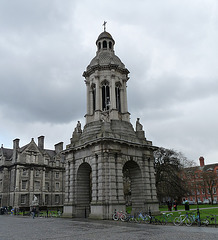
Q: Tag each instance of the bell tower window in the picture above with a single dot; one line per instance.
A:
(105, 97)
(110, 44)
(94, 97)
(99, 46)
(104, 44)
(118, 102)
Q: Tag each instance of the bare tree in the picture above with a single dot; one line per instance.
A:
(169, 182)
(209, 181)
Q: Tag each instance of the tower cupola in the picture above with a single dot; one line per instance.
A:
(106, 78)
(105, 42)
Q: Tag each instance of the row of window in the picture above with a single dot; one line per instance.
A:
(24, 185)
(105, 44)
(38, 173)
(203, 191)
(106, 97)
(33, 158)
(24, 199)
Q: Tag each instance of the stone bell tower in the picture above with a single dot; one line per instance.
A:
(106, 78)
(108, 150)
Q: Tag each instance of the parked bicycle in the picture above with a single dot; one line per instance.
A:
(167, 217)
(208, 220)
(130, 218)
(178, 221)
(119, 215)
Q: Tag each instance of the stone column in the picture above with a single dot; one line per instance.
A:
(67, 182)
(119, 179)
(88, 97)
(98, 106)
(101, 178)
(71, 189)
(124, 98)
(112, 179)
(152, 178)
(17, 174)
(113, 96)
(17, 188)
(95, 179)
(31, 179)
(43, 180)
(147, 181)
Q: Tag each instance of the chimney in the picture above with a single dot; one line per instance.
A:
(15, 148)
(201, 159)
(16, 143)
(59, 147)
(41, 142)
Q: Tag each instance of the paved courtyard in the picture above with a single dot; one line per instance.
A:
(22, 228)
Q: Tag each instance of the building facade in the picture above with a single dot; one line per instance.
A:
(31, 170)
(108, 149)
(202, 183)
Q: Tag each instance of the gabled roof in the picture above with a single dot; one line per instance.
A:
(50, 153)
(7, 153)
(210, 166)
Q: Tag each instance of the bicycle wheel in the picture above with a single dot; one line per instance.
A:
(123, 217)
(147, 219)
(115, 217)
(205, 222)
(188, 222)
(177, 221)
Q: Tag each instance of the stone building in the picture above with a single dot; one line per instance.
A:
(31, 170)
(108, 147)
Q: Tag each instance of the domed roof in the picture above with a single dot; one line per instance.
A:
(105, 58)
(105, 35)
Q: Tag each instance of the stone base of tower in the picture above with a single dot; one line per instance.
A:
(67, 211)
(104, 211)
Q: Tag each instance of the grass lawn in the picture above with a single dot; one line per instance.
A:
(211, 212)
(182, 207)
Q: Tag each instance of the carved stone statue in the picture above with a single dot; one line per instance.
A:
(139, 126)
(78, 127)
(35, 201)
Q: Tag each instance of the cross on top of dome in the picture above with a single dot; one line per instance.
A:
(104, 24)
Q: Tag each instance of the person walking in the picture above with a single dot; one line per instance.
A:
(33, 212)
(175, 205)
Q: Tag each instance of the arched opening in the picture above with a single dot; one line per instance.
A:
(133, 186)
(118, 101)
(110, 44)
(105, 96)
(93, 97)
(84, 190)
(104, 44)
(99, 46)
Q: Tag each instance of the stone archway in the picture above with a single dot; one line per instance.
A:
(132, 173)
(84, 190)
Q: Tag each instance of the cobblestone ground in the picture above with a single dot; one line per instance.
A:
(22, 228)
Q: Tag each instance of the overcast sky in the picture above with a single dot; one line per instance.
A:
(170, 48)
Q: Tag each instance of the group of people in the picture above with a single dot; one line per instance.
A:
(174, 205)
(171, 205)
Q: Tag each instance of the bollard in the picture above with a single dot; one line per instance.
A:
(199, 219)
(149, 212)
